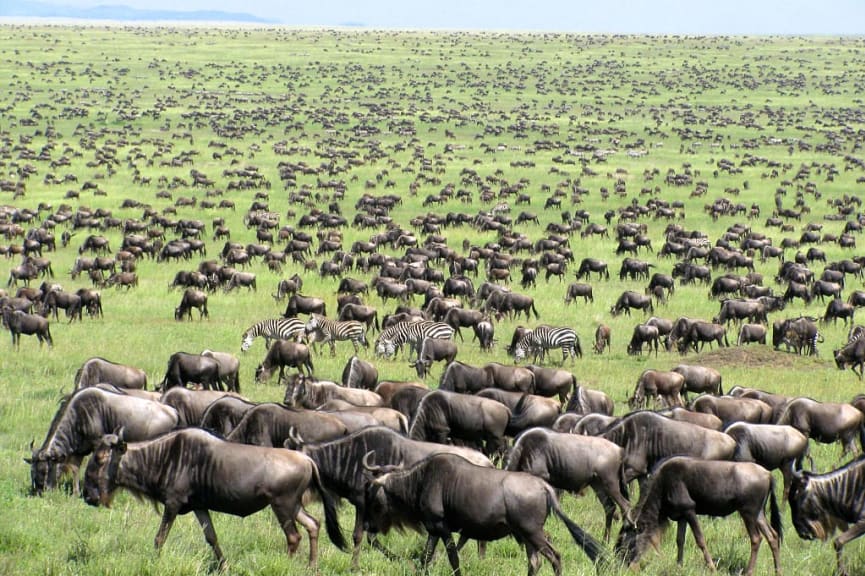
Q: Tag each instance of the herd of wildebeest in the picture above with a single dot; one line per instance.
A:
(483, 452)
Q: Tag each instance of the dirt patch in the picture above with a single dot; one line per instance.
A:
(759, 357)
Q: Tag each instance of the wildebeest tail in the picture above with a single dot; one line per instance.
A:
(535, 310)
(78, 375)
(862, 434)
(774, 512)
(331, 517)
(583, 539)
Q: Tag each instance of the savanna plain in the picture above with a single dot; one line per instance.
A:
(93, 116)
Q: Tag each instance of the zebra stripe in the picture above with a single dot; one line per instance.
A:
(392, 338)
(544, 338)
(332, 330)
(271, 329)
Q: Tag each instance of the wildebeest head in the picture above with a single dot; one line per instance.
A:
(262, 374)
(100, 477)
(295, 390)
(636, 537)
(43, 470)
(811, 521)
(382, 512)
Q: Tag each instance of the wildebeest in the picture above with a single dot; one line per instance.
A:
(241, 279)
(271, 424)
(749, 333)
(681, 488)
(771, 446)
(223, 414)
(299, 304)
(733, 409)
(434, 350)
(589, 265)
(85, 416)
(464, 378)
(229, 369)
(19, 323)
(701, 332)
(800, 333)
(192, 470)
(820, 504)
(284, 353)
(700, 380)
(190, 404)
(837, 308)
(826, 422)
(310, 393)
(443, 416)
(360, 313)
(359, 373)
(602, 338)
(823, 288)
(527, 410)
(97, 370)
(577, 290)
(658, 385)
(630, 299)
(852, 354)
(446, 493)
(648, 438)
(572, 462)
(643, 334)
(340, 464)
(587, 401)
(192, 298)
(186, 368)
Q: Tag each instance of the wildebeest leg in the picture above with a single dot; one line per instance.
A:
(851, 533)
(453, 554)
(311, 525)
(168, 517)
(209, 534)
(699, 538)
(357, 537)
(538, 542)
(681, 527)
(376, 543)
(286, 514)
(429, 549)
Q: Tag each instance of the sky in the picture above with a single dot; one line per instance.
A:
(828, 17)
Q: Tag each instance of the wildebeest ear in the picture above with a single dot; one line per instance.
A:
(29, 461)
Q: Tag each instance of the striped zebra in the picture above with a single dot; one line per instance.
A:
(544, 338)
(272, 329)
(325, 330)
(392, 338)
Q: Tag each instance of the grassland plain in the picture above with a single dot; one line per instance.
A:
(134, 109)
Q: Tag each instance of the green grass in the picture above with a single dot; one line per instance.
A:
(367, 104)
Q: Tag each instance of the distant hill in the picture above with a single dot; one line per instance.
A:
(123, 13)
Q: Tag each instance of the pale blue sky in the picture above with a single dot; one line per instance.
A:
(623, 16)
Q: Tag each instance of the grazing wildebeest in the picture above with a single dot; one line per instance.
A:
(446, 493)
(820, 504)
(309, 393)
(589, 265)
(648, 438)
(578, 289)
(360, 313)
(229, 369)
(299, 304)
(826, 422)
(85, 416)
(749, 333)
(19, 322)
(630, 299)
(458, 318)
(98, 370)
(443, 416)
(602, 338)
(433, 350)
(733, 409)
(587, 401)
(701, 332)
(659, 385)
(284, 353)
(572, 462)
(190, 404)
(771, 446)
(192, 298)
(837, 308)
(681, 488)
(241, 279)
(184, 367)
(224, 414)
(359, 373)
(700, 380)
(821, 288)
(340, 464)
(191, 470)
(643, 334)
(852, 354)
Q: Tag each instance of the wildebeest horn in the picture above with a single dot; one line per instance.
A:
(295, 436)
(366, 463)
(32, 443)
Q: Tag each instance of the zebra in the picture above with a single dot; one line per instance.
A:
(392, 338)
(327, 330)
(544, 338)
(272, 329)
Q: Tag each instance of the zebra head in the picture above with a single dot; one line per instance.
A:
(385, 348)
(246, 341)
(312, 324)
